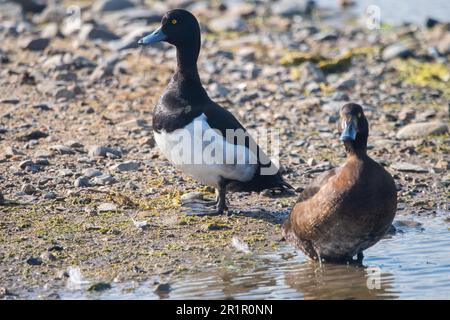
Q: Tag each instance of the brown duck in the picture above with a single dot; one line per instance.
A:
(349, 208)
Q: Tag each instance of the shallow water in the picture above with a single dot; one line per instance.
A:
(397, 12)
(413, 263)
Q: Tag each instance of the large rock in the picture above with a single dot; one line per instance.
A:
(421, 130)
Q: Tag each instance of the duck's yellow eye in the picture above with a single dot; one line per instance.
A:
(174, 21)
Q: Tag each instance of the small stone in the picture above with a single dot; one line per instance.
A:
(65, 173)
(133, 123)
(422, 130)
(26, 163)
(217, 90)
(91, 173)
(289, 8)
(310, 72)
(47, 257)
(163, 288)
(103, 180)
(100, 286)
(102, 151)
(112, 5)
(81, 182)
(33, 135)
(246, 54)
(2, 199)
(126, 166)
(311, 162)
(4, 292)
(50, 30)
(190, 197)
(34, 261)
(28, 189)
(106, 206)
(93, 32)
(38, 44)
(61, 149)
(396, 50)
(346, 85)
(408, 167)
(41, 106)
(10, 152)
(227, 23)
(50, 195)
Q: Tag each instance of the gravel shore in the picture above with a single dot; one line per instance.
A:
(82, 183)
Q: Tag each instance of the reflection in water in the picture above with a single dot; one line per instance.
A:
(331, 281)
(413, 263)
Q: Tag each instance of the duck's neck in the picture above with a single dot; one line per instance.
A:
(186, 75)
(187, 61)
(357, 147)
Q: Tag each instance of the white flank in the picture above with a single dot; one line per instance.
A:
(201, 152)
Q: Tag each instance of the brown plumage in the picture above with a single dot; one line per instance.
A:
(347, 209)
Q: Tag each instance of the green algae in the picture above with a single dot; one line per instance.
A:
(434, 75)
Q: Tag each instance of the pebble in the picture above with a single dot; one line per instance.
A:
(82, 182)
(408, 167)
(112, 5)
(28, 188)
(126, 166)
(47, 256)
(191, 196)
(227, 24)
(103, 180)
(289, 8)
(26, 163)
(33, 261)
(61, 149)
(106, 206)
(396, 50)
(422, 130)
(218, 90)
(102, 151)
(310, 72)
(346, 85)
(33, 135)
(50, 195)
(37, 44)
(94, 32)
(91, 173)
(100, 286)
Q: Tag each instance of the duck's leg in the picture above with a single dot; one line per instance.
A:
(200, 208)
(360, 256)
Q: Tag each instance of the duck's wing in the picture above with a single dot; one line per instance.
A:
(321, 180)
(222, 120)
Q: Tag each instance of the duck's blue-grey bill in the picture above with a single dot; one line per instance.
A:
(156, 36)
(349, 132)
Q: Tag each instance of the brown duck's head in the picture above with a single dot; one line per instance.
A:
(354, 127)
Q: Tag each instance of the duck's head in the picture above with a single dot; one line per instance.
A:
(354, 127)
(178, 27)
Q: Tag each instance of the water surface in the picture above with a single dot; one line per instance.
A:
(413, 263)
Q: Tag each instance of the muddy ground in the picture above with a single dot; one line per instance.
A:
(84, 185)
